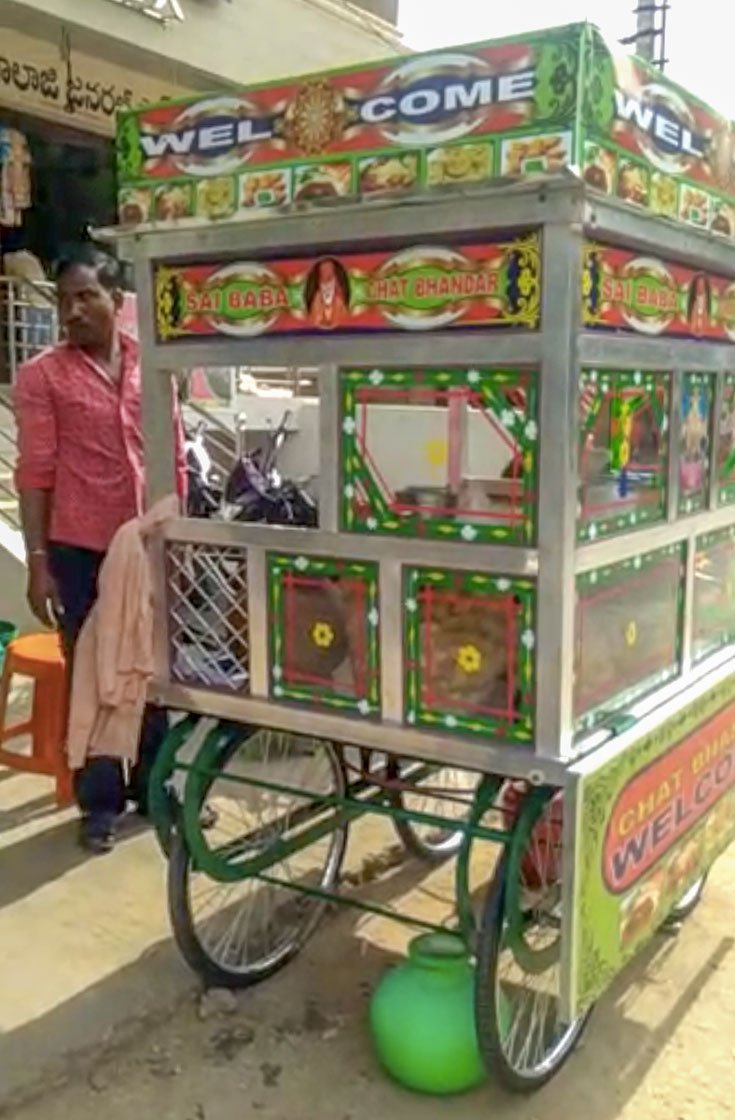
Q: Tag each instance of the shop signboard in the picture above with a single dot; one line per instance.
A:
(422, 288)
(452, 119)
(82, 91)
(625, 290)
(651, 817)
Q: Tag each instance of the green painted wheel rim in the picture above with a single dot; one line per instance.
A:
(485, 796)
(162, 806)
(534, 962)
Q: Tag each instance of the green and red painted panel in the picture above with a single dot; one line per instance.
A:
(695, 441)
(623, 451)
(324, 641)
(726, 443)
(470, 644)
(501, 407)
(628, 627)
(713, 618)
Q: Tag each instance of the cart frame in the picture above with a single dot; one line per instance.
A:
(565, 212)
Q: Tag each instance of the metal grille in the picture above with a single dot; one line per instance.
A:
(9, 509)
(208, 615)
(28, 321)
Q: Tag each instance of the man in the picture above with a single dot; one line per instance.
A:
(80, 476)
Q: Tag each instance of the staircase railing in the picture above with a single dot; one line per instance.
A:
(28, 322)
(9, 508)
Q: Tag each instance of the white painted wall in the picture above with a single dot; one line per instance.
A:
(402, 463)
(386, 9)
(240, 42)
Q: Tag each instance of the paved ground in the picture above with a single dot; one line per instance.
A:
(97, 1007)
(85, 951)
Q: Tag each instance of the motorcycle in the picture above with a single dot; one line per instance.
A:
(254, 491)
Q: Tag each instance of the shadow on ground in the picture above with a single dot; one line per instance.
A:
(302, 1035)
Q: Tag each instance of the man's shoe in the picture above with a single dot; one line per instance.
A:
(97, 834)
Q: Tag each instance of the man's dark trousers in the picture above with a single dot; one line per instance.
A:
(100, 788)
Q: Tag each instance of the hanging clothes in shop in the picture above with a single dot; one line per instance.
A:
(15, 177)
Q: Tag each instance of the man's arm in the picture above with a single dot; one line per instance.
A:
(35, 476)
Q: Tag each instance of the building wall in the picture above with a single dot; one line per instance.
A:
(385, 9)
(78, 89)
(218, 44)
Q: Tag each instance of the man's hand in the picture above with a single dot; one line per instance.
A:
(43, 595)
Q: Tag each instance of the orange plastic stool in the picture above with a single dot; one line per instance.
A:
(39, 657)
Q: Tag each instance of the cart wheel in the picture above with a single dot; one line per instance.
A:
(445, 792)
(161, 801)
(522, 1039)
(687, 904)
(239, 929)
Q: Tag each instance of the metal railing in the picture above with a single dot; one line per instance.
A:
(9, 508)
(28, 322)
(222, 441)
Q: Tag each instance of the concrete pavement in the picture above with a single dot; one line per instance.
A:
(85, 957)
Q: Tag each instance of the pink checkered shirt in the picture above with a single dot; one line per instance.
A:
(79, 436)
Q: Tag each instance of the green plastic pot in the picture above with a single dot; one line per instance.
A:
(422, 1019)
(8, 632)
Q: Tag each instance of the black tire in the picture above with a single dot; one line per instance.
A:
(488, 1011)
(431, 845)
(687, 904)
(190, 939)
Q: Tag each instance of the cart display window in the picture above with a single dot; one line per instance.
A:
(446, 454)
(628, 621)
(713, 624)
(695, 441)
(623, 451)
(726, 443)
(470, 653)
(208, 616)
(324, 618)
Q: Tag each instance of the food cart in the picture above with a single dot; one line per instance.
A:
(514, 266)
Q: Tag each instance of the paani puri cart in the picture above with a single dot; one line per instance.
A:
(515, 621)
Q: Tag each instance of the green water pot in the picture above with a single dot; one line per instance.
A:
(8, 633)
(422, 1018)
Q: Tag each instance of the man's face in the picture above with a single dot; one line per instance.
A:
(86, 309)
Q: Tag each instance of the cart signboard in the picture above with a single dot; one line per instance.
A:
(651, 817)
(454, 117)
(651, 143)
(625, 290)
(422, 288)
(447, 120)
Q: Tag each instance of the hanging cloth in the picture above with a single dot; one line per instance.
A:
(15, 177)
(7, 213)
